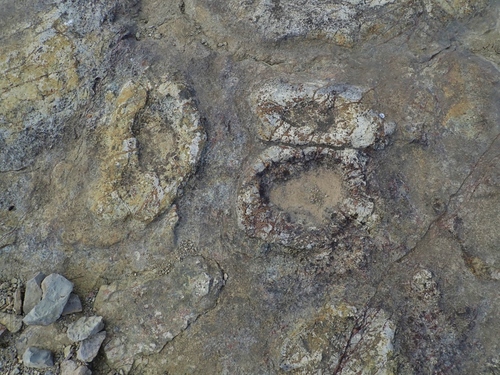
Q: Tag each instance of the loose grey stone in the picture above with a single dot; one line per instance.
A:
(72, 368)
(12, 322)
(18, 301)
(2, 329)
(90, 347)
(74, 305)
(56, 290)
(85, 327)
(33, 293)
(38, 358)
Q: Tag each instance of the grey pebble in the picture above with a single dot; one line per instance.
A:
(38, 358)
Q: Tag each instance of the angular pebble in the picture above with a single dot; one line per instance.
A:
(37, 358)
(33, 293)
(12, 322)
(73, 305)
(72, 368)
(85, 327)
(90, 347)
(56, 290)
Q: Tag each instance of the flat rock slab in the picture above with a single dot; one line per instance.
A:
(56, 291)
(90, 347)
(84, 328)
(38, 358)
(147, 313)
(12, 322)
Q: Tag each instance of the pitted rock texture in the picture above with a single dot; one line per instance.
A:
(319, 114)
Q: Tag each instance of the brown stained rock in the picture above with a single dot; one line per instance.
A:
(138, 187)
(157, 309)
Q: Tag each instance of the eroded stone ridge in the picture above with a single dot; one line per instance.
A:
(150, 145)
(260, 217)
(318, 114)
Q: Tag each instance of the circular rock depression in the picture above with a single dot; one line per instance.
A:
(303, 197)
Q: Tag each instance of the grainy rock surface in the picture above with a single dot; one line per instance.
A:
(254, 187)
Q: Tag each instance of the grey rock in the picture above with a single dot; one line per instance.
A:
(2, 329)
(33, 293)
(71, 368)
(73, 305)
(85, 327)
(90, 347)
(12, 322)
(18, 301)
(56, 290)
(38, 358)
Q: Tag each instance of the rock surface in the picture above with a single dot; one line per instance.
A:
(38, 358)
(333, 164)
(159, 309)
(56, 290)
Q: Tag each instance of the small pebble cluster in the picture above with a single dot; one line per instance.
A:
(44, 300)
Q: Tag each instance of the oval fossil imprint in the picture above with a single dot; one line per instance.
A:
(306, 192)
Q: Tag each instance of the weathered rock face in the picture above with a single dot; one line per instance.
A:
(333, 164)
(154, 311)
